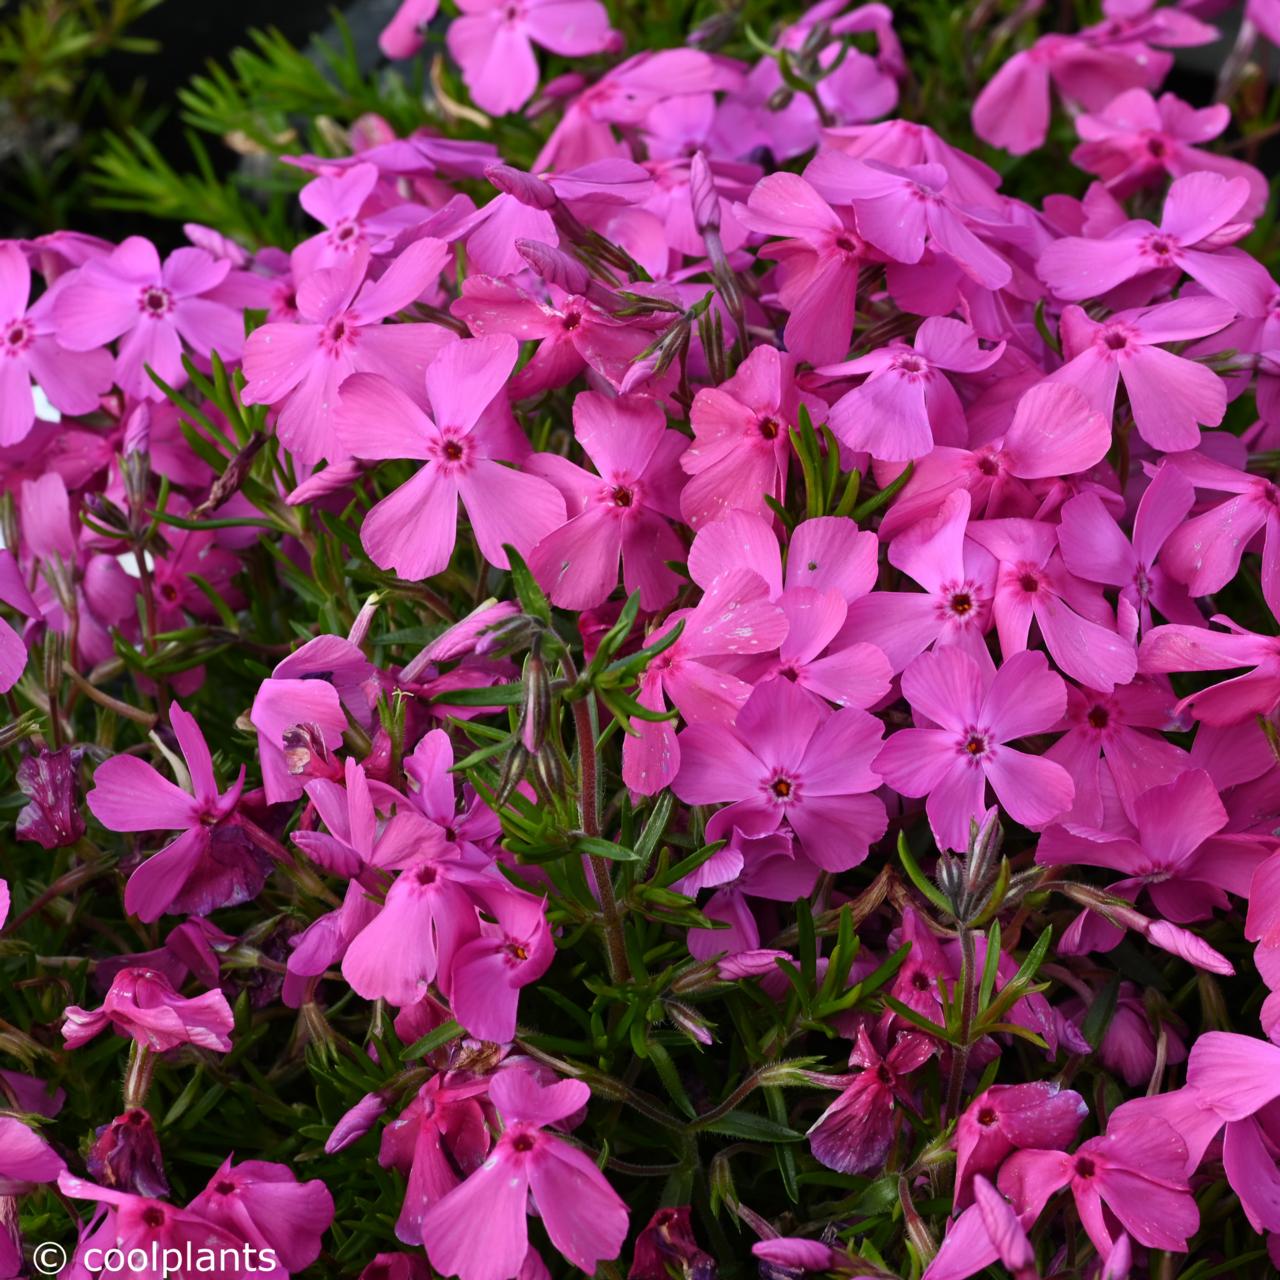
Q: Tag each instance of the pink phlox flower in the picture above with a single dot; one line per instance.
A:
(818, 258)
(907, 142)
(569, 329)
(150, 1226)
(741, 447)
(210, 864)
(828, 553)
(157, 309)
(1170, 396)
(14, 593)
(492, 41)
(988, 1231)
(487, 972)
(901, 211)
(1177, 648)
(1111, 749)
(976, 714)
(1137, 140)
(1175, 851)
(413, 529)
(31, 352)
(955, 607)
(620, 513)
(1033, 584)
(1231, 1088)
(439, 1139)
(786, 759)
(863, 86)
(465, 828)
(734, 617)
(1007, 1117)
(1204, 552)
(854, 1133)
(1202, 219)
(357, 839)
(852, 674)
(315, 688)
(1128, 1045)
(298, 368)
(266, 1206)
(356, 216)
(402, 37)
(906, 402)
(1129, 1179)
(27, 1158)
(143, 1004)
(479, 1230)
(1095, 548)
(1089, 69)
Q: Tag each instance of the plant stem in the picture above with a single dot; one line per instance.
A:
(584, 721)
(968, 999)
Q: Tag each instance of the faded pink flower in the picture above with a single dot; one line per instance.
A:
(143, 1004)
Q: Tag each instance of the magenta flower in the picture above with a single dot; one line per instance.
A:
(210, 864)
(1109, 746)
(854, 1134)
(402, 37)
(818, 260)
(620, 513)
(1204, 552)
(976, 715)
(413, 530)
(955, 607)
(266, 1206)
(1131, 1179)
(1201, 220)
(787, 760)
(492, 41)
(1136, 141)
(1176, 851)
(1095, 548)
(741, 444)
(479, 1230)
(52, 816)
(906, 402)
(1181, 648)
(1170, 396)
(903, 210)
(734, 617)
(151, 1226)
(668, 1241)
(298, 368)
(30, 351)
(1076, 623)
(156, 309)
(439, 1139)
(143, 1004)
(1007, 1117)
(486, 973)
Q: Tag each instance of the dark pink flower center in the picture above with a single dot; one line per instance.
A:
(1099, 717)
(426, 875)
(987, 1117)
(769, 428)
(1085, 1168)
(961, 604)
(155, 301)
(1157, 148)
(523, 1142)
(1161, 246)
(974, 745)
(783, 788)
(338, 334)
(1029, 581)
(225, 1188)
(153, 1217)
(622, 496)
(17, 337)
(345, 231)
(911, 365)
(1115, 339)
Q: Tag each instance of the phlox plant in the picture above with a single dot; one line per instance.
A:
(678, 679)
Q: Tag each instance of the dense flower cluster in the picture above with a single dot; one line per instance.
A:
(567, 642)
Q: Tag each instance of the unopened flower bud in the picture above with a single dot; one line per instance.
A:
(355, 1123)
(690, 1022)
(526, 187)
(535, 708)
(229, 482)
(555, 267)
(703, 194)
